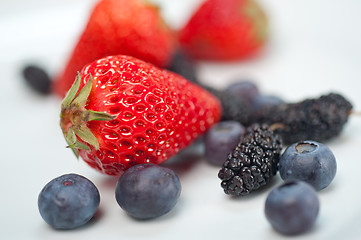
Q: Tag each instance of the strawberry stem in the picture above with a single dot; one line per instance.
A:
(74, 117)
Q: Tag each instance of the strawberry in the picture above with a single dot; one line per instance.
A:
(129, 112)
(224, 30)
(130, 27)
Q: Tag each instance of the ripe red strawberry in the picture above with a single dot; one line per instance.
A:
(130, 112)
(129, 27)
(224, 30)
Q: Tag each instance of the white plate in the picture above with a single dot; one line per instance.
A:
(314, 48)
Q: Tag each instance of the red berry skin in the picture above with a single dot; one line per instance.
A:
(113, 29)
(225, 30)
(157, 113)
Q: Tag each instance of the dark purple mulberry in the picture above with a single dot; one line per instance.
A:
(316, 119)
(253, 162)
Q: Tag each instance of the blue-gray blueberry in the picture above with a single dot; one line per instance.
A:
(147, 191)
(292, 207)
(68, 201)
(309, 161)
(220, 140)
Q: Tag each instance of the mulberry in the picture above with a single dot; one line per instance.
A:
(317, 119)
(253, 162)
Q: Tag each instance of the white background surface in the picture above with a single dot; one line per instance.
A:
(314, 49)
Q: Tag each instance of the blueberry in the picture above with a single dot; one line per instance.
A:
(220, 140)
(68, 201)
(147, 191)
(37, 79)
(265, 101)
(183, 66)
(308, 161)
(292, 208)
(246, 90)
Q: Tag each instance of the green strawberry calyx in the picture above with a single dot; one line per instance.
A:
(74, 117)
(257, 16)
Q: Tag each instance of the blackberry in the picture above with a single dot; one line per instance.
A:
(233, 107)
(317, 119)
(253, 162)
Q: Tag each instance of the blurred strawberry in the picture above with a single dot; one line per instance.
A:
(130, 27)
(225, 30)
(122, 111)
